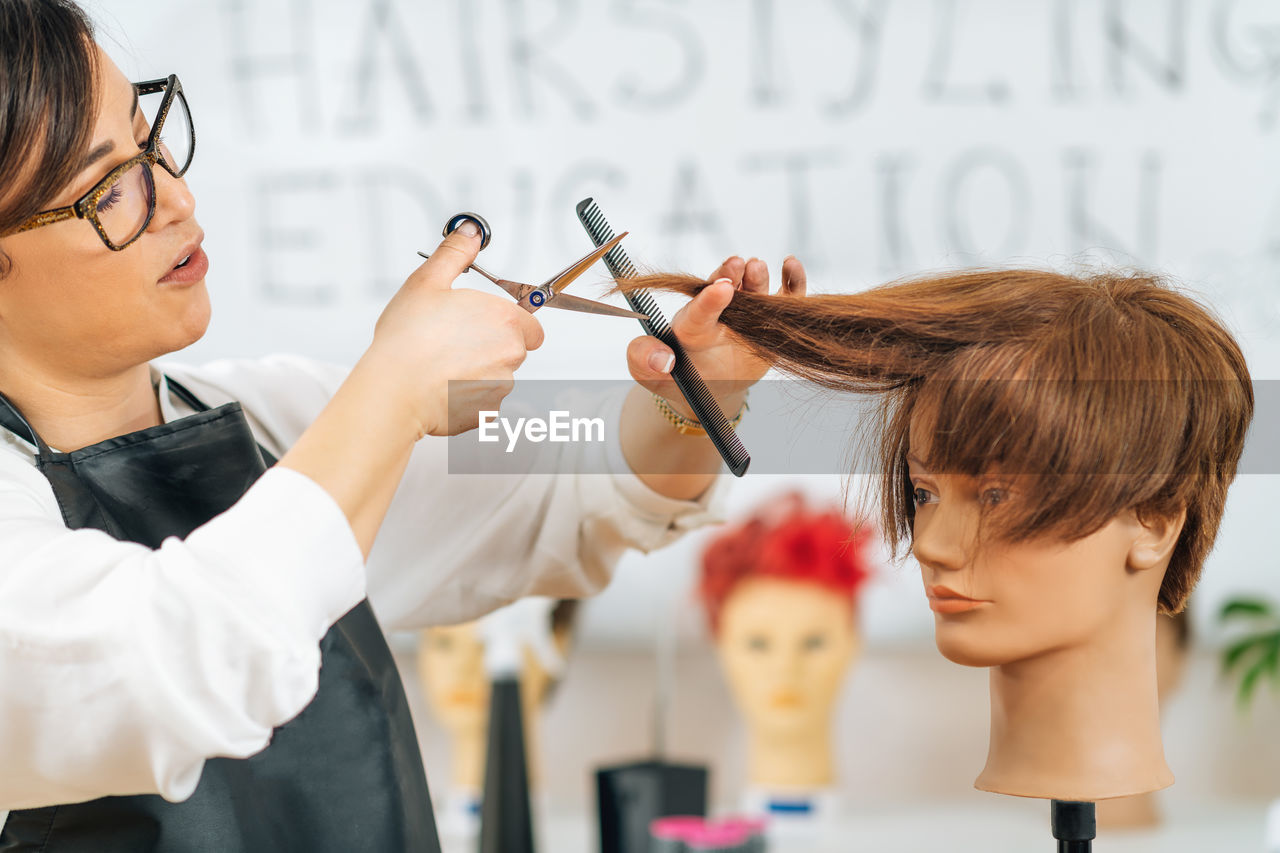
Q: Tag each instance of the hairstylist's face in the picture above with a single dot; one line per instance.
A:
(785, 647)
(72, 306)
(996, 602)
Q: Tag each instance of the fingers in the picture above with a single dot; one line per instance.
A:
(753, 275)
(756, 276)
(732, 269)
(650, 362)
(794, 280)
(703, 311)
(532, 329)
(450, 259)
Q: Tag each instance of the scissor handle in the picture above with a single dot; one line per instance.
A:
(459, 218)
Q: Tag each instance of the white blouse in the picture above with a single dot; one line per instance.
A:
(122, 668)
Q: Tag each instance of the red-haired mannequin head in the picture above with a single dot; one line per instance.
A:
(780, 592)
(785, 540)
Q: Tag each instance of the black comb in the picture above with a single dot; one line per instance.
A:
(695, 391)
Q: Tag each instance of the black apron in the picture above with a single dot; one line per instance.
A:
(345, 775)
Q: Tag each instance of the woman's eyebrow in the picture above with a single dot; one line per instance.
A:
(107, 147)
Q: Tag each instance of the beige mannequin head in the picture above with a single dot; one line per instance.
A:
(451, 666)
(785, 647)
(996, 601)
(780, 597)
(1057, 448)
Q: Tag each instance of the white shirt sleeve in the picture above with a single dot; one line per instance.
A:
(123, 668)
(456, 546)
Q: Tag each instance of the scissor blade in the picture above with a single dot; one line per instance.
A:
(587, 306)
(561, 281)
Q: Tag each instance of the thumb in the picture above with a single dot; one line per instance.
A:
(450, 259)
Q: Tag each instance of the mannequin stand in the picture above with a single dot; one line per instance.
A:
(1074, 825)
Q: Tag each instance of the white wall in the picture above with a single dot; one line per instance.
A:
(870, 139)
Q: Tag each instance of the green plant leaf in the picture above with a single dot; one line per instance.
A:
(1246, 608)
(1237, 650)
(1268, 663)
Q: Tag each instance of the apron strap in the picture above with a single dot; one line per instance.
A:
(12, 420)
(184, 394)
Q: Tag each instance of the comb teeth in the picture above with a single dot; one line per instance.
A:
(620, 266)
(695, 391)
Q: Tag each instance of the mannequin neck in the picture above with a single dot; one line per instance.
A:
(468, 759)
(1082, 722)
(1136, 812)
(799, 759)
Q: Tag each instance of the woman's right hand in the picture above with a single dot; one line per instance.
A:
(448, 354)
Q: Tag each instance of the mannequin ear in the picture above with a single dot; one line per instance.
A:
(1157, 536)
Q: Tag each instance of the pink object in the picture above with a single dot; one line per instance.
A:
(676, 828)
(703, 836)
(719, 836)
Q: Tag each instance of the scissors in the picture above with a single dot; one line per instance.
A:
(532, 298)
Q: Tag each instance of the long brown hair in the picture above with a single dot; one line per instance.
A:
(1110, 391)
(47, 104)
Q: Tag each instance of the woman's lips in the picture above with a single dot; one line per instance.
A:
(195, 269)
(943, 599)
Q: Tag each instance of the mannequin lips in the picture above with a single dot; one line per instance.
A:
(943, 599)
(786, 699)
(462, 696)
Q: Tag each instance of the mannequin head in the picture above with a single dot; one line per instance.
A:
(1055, 408)
(451, 666)
(780, 597)
(1057, 451)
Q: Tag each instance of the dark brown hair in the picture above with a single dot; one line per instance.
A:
(1102, 393)
(47, 104)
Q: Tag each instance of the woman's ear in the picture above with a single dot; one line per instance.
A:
(1157, 536)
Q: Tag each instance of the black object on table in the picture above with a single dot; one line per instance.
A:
(631, 796)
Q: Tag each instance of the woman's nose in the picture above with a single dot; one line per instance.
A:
(174, 201)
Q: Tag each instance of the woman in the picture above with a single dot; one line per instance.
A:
(165, 605)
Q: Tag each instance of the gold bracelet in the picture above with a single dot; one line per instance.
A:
(689, 426)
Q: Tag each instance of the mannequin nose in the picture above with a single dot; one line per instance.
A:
(944, 538)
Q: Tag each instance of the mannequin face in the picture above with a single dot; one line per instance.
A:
(457, 686)
(996, 602)
(785, 647)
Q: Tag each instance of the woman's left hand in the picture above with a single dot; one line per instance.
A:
(727, 367)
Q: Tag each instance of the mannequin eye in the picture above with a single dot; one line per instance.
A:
(814, 642)
(920, 496)
(994, 496)
(758, 643)
(442, 643)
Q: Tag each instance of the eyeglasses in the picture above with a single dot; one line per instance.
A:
(121, 205)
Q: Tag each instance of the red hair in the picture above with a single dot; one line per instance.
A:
(786, 540)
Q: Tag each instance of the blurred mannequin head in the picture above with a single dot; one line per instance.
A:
(780, 597)
(452, 668)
